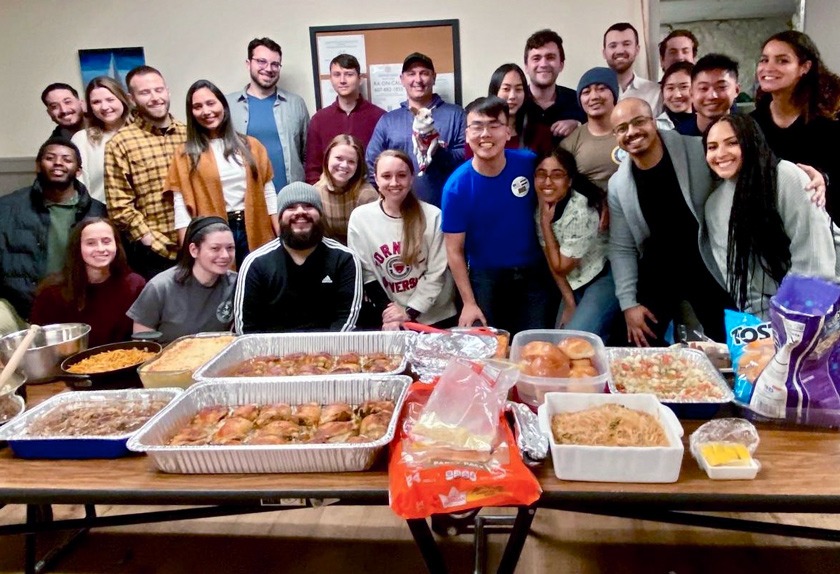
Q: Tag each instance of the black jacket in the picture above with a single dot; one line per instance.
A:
(24, 224)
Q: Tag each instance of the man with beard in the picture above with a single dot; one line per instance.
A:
(35, 222)
(64, 108)
(136, 165)
(300, 281)
(277, 118)
(621, 46)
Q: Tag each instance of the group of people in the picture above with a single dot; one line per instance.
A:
(625, 202)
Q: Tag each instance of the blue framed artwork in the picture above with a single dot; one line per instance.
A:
(113, 62)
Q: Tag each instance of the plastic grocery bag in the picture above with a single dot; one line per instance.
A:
(751, 346)
(802, 381)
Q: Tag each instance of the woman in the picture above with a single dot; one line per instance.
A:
(95, 286)
(223, 173)
(197, 294)
(510, 83)
(676, 95)
(108, 109)
(797, 107)
(760, 223)
(343, 184)
(575, 247)
(400, 244)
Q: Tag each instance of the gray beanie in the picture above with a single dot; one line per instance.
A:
(604, 76)
(298, 192)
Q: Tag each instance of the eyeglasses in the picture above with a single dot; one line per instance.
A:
(637, 122)
(556, 175)
(479, 127)
(263, 63)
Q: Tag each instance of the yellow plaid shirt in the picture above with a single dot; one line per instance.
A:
(136, 164)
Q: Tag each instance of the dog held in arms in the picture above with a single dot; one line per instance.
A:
(426, 138)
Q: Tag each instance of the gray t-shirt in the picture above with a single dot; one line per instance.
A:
(177, 309)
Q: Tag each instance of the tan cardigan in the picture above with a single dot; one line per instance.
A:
(202, 190)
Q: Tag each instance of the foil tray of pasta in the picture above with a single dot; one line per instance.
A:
(270, 356)
(683, 379)
(84, 424)
(612, 438)
(306, 424)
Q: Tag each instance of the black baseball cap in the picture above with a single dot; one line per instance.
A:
(418, 58)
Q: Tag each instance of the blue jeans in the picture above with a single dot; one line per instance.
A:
(240, 240)
(517, 298)
(597, 306)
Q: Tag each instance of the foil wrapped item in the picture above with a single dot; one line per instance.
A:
(430, 353)
(531, 441)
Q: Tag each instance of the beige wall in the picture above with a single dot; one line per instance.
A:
(191, 39)
(821, 20)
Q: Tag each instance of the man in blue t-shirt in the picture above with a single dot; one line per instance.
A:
(488, 222)
(277, 118)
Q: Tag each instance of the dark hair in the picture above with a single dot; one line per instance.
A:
(711, 62)
(686, 67)
(678, 33)
(621, 27)
(756, 234)
(346, 61)
(580, 183)
(96, 127)
(198, 139)
(264, 42)
(817, 93)
(73, 277)
(414, 220)
(184, 265)
(140, 71)
(520, 121)
(358, 179)
(490, 106)
(542, 37)
(57, 86)
(62, 141)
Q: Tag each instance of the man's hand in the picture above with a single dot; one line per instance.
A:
(817, 184)
(638, 330)
(146, 240)
(470, 314)
(562, 128)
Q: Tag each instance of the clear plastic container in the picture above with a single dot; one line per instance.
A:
(532, 390)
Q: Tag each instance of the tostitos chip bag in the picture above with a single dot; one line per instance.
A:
(751, 346)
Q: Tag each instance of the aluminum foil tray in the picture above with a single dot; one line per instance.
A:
(278, 344)
(352, 389)
(77, 447)
(684, 408)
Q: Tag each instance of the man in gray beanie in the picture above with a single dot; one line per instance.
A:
(301, 281)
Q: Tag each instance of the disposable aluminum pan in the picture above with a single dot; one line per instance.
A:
(684, 408)
(279, 344)
(354, 390)
(25, 445)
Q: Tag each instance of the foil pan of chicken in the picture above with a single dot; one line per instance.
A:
(306, 424)
(266, 357)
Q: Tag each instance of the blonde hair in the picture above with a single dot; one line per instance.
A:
(414, 220)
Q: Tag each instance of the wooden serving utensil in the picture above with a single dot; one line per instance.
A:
(6, 386)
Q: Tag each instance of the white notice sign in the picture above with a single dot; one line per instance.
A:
(331, 46)
(386, 91)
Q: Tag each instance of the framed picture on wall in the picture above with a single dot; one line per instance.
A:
(381, 49)
(113, 62)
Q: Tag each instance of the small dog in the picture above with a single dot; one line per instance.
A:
(426, 138)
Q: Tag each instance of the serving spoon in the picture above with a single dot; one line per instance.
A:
(6, 385)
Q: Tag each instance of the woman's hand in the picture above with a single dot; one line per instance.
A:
(817, 184)
(392, 326)
(547, 211)
(470, 314)
(394, 313)
(568, 313)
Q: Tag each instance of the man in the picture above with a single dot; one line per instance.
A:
(300, 281)
(394, 130)
(621, 46)
(64, 108)
(593, 143)
(136, 165)
(349, 114)
(678, 46)
(656, 201)
(714, 87)
(35, 222)
(490, 232)
(277, 118)
(551, 104)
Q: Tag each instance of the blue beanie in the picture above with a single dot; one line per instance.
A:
(604, 76)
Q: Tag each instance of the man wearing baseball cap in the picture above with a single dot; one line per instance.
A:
(301, 281)
(394, 129)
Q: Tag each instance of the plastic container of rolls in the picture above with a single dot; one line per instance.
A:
(580, 366)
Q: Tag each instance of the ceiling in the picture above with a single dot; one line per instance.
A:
(675, 11)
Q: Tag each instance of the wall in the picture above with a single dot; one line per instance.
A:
(190, 39)
(821, 19)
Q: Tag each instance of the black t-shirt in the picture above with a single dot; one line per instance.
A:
(565, 107)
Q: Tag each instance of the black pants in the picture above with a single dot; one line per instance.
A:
(144, 261)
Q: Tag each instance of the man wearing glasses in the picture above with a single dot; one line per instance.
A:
(490, 232)
(277, 118)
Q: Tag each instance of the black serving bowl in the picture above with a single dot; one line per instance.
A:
(121, 378)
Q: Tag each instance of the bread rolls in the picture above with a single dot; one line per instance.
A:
(571, 358)
(577, 348)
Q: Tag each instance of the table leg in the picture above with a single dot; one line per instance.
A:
(428, 547)
(516, 541)
(40, 514)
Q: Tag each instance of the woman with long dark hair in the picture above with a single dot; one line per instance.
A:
(400, 245)
(197, 294)
(760, 224)
(95, 286)
(797, 107)
(108, 109)
(223, 173)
